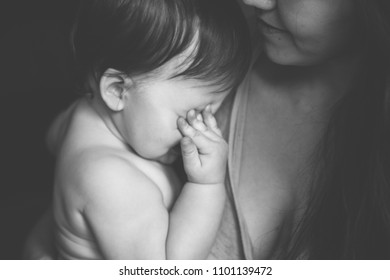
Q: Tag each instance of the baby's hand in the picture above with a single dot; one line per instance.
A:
(203, 148)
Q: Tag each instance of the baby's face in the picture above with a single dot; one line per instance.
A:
(152, 110)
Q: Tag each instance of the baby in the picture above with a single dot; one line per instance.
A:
(154, 72)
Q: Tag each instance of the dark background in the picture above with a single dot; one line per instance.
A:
(36, 83)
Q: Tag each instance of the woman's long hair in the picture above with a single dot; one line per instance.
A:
(348, 212)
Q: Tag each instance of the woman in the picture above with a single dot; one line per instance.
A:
(309, 135)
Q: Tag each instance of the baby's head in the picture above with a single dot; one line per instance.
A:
(150, 61)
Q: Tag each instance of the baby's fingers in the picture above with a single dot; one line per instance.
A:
(195, 120)
(210, 121)
(202, 142)
(189, 153)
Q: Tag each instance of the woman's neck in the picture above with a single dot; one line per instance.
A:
(330, 80)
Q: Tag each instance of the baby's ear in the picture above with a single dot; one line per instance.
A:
(113, 87)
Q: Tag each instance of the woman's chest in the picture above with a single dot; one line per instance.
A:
(275, 163)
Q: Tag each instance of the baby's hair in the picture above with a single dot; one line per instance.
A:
(136, 37)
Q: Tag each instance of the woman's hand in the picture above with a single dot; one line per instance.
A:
(203, 148)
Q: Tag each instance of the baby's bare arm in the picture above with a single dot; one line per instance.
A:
(196, 216)
(128, 218)
(195, 220)
(125, 211)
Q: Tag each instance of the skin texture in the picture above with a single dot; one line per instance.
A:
(308, 63)
(287, 112)
(115, 197)
(304, 32)
(149, 121)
